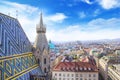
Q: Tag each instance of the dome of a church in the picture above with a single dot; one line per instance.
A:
(51, 45)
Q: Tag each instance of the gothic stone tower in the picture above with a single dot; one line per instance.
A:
(41, 47)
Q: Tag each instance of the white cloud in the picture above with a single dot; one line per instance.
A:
(21, 7)
(94, 30)
(82, 14)
(105, 23)
(88, 1)
(108, 4)
(58, 17)
(27, 16)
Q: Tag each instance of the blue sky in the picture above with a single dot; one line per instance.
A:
(67, 20)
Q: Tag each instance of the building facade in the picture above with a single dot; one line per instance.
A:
(106, 67)
(74, 71)
(114, 72)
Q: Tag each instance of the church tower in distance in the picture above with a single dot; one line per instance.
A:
(41, 47)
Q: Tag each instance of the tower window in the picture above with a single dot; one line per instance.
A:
(44, 60)
(45, 70)
(38, 61)
(37, 51)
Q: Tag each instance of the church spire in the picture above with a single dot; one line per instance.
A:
(41, 20)
(40, 27)
(41, 47)
(41, 40)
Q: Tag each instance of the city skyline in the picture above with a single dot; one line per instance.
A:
(67, 20)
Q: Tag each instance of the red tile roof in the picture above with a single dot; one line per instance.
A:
(75, 67)
(87, 50)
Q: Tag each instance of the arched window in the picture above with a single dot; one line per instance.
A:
(37, 51)
(38, 61)
(44, 60)
(45, 70)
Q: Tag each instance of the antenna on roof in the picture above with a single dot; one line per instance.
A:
(16, 14)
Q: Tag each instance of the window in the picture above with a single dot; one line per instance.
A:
(59, 78)
(72, 68)
(77, 68)
(72, 75)
(76, 78)
(67, 75)
(89, 75)
(89, 68)
(81, 79)
(80, 68)
(63, 68)
(64, 75)
(76, 75)
(38, 61)
(44, 60)
(37, 51)
(94, 75)
(45, 70)
(59, 74)
(80, 75)
(67, 68)
(55, 74)
(85, 68)
(72, 78)
(49, 67)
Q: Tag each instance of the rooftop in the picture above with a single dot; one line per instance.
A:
(75, 67)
